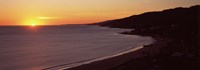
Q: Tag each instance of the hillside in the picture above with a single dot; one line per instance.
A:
(178, 27)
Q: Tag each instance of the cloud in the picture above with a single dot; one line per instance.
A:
(43, 18)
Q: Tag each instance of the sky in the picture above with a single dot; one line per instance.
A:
(58, 12)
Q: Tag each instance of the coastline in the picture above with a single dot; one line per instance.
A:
(89, 61)
(99, 60)
(118, 60)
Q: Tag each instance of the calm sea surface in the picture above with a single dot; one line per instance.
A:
(35, 48)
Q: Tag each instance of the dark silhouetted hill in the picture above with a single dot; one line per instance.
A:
(180, 26)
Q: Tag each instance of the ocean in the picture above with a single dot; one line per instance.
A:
(54, 47)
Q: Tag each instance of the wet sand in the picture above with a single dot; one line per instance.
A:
(118, 60)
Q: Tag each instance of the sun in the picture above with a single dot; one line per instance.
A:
(32, 22)
(33, 25)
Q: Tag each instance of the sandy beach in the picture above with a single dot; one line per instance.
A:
(119, 60)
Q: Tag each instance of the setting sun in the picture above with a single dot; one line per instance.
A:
(33, 25)
(57, 12)
(32, 22)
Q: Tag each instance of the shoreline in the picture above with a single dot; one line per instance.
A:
(97, 59)
(116, 61)
(106, 57)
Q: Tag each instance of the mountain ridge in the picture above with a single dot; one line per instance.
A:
(176, 32)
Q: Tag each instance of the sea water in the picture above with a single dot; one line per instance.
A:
(46, 47)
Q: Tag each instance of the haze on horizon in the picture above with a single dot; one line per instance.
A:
(57, 12)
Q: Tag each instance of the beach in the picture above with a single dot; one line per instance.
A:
(145, 50)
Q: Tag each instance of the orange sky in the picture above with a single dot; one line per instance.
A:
(56, 12)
